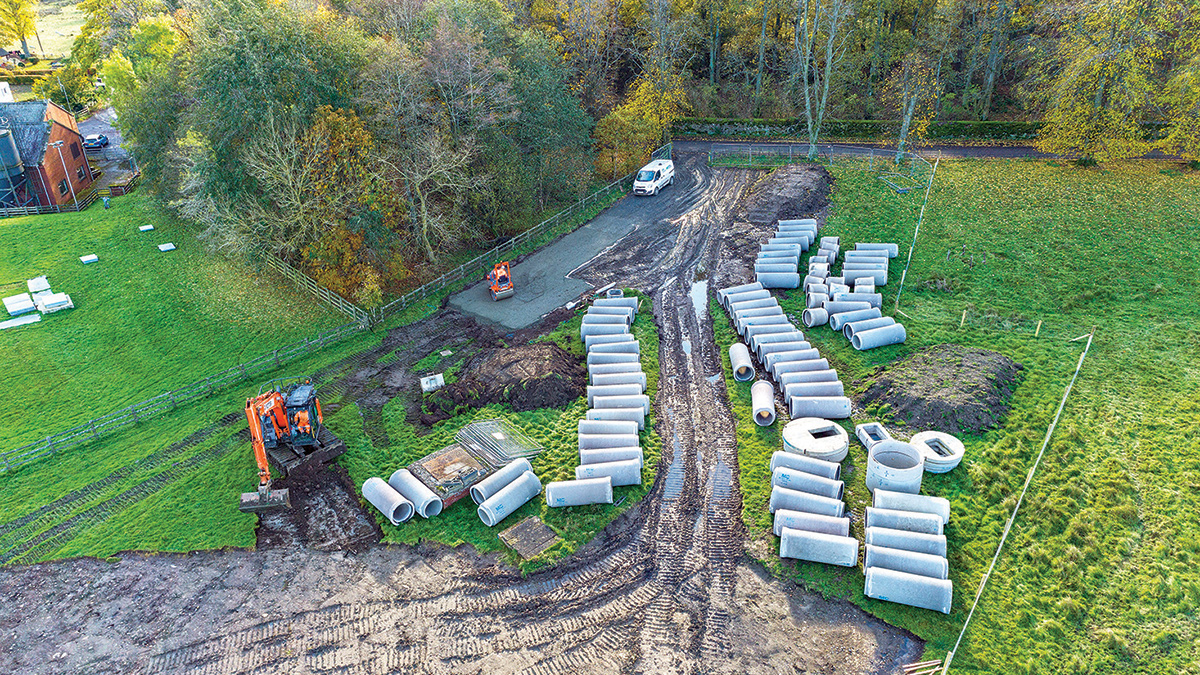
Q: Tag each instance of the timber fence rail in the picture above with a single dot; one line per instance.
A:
(323, 294)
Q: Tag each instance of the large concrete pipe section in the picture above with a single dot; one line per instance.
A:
(733, 290)
(743, 314)
(779, 279)
(796, 462)
(933, 544)
(802, 241)
(802, 376)
(860, 266)
(739, 360)
(622, 472)
(816, 437)
(390, 503)
(771, 320)
(816, 299)
(896, 466)
(595, 369)
(579, 492)
(631, 414)
(831, 241)
(607, 427)
(762, 400)
(773, 347)
(849, 329)
(835, 307)
(875, 299)
(598, 358)
(753, 304)
(806, 482)
(910, 521)
(871, 434)
(775, 359)
(814, 280)
(493, 483)
(626, 401)
(803, 389)
(824, 255)
(789, 255)
(752, 331)
(811, 522)
(601, 310)
(921, 564)
(758, 294)
(909, 589)
(510, 498)
(425, 502)
(795, 500)
(942, 451)
(630, 302)
(817, 288)
(877, 277)
(782, 369)
(597, 441)
(605, 318)
(828, 407)
(818, 269)
(818, 547)
(638, 378)
(837, 287)
(836, 321)
(605, 455)
(627, 347)
(863, 287)
(902, 501)
(815, 317)
(759, 340)
(768, 268)
(892, 250)
(866, 257)
(594, 340)
(602, 329)
(879, 337)
(794, 249)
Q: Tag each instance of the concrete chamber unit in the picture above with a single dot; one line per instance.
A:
(896, 466)
(942, 452)
(816, 437)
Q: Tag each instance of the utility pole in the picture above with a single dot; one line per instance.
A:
(57, 145)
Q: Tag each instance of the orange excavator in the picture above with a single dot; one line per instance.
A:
(500, 281)
(286, 430)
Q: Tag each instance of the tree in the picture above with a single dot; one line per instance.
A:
(1001, 18)
(108, 25)
(471, 84)
(17, 19)
(815, 70)
(436, 173)
(912, 94)
(69, 87)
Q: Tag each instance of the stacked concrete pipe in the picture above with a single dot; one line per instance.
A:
(810, 517)
(425, 502)
(791, 239)
(906, 559)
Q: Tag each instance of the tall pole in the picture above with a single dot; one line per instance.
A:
(58, 146)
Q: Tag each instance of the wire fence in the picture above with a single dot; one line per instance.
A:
(323, 294)
(903, 171)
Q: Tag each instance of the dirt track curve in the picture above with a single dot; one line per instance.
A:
(665, 589)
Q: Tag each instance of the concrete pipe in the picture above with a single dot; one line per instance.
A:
(942, 451)
(493, 483)
(595, 369)
(815, 300)
(607, 427)
(627, 347)
(782, 369)
(939, 506)
(758, 294)
(601, 358)
(866, 256)
(865, 264)
(871, 434)
(909, 589)
(626, 401)
(598, 441)
(909, 521)
(838, 288)
(921, 564)
(775, 358)
(814, 280)
(896, 466)
(836, 321)
(605, 318)
(753, 304)
(849, 329)
(879, 337)
(579, 492)
(771, 320)
(806, 482)
(732, 290)
(802, 242)
(762, 400)
(593, 340)
(612, 311)
(779, 279)
(622, 472)
(630, 302)
(758, 341)
(818, 547)
(638, 378)
(806, 464)
(390, 503)
(804, 389)
(510, 498)
(605, 455)
(425, 502)
(892, 250)
(806, 376)
(835, 307)
(602, 329)
(795, 500)
(767, 268)
(815, 317)
(810, 522)
(739, 361)
(817, 288)
(875, 299)
(632, 414)
(740, 315)
(828, 407)
(818, 269)
(772, 347)
(753, 331)
(933, 544)
(877, 277)
(795, 249)
(827, 249)
(798, 222)
(816, 437)
(864, 287)
(770, 255)
(831, 241)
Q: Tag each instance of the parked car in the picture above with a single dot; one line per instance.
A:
(653, 177)
(95, 141)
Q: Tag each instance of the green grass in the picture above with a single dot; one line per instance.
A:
(144, 321)
(1099, 574)
(58, 28)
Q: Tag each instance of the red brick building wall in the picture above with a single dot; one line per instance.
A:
(53, 173)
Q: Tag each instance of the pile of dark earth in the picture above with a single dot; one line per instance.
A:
(325, 513)
(947, 388)
(527, 377)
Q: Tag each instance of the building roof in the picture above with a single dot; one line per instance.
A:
(30, 128)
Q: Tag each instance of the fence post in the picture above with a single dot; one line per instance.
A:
(92, 425)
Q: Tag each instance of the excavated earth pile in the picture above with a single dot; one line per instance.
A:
(947, 388)
(325, 513)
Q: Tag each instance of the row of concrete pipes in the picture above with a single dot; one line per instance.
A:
(778, 262)
(849, 303)
(400, 496)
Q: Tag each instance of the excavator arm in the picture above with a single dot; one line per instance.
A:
(264, 498)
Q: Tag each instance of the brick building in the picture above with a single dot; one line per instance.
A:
(53, 168)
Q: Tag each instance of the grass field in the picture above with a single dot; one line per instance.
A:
(58, 25)
(1099, 574)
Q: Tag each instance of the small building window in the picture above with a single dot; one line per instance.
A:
(63, 188)
(75, 150)
(79, 173)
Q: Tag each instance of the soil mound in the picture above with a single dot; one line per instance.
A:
(325, 513)
(538, 375)
(797, 191)
(947, 388)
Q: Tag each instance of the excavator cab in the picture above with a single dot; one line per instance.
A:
(500, 281)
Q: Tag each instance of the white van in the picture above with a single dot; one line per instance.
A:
(652, 177)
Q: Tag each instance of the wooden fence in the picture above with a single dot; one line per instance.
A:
(87, 199)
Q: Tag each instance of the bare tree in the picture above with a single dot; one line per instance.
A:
(664, 37)
(394, 93)
(471, 84)
(997, 47)
(818, 47)
(396, 19)
(437, 177)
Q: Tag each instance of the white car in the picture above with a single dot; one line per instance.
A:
(653, 177)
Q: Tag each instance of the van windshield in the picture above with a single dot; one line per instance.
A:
(645, 175)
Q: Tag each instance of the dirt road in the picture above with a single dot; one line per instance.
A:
(665, 589)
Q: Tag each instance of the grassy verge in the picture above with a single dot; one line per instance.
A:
(1099, 573)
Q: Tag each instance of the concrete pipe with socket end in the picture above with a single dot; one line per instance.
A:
(626, 401)
(909, 589)
(605, 318)
(739, 360)
(836, 321)
(608, 368)
(782, 369)
(628, 347)
(593, 340)
(758, 294)
(816, 300)
(942, 452)
(754, 331)
(601, 358)
(754, 304)
(816, 437)
(775, 358)
(871, 434)
(892, 250)
(510, 498)
(638, 378)
(806, 464)
(579, 492)
(806, 482)
(622, 472)
(795, 500)
(828, 248)
(902, 501)
(827, 407)
(909, 521)
(817, 269)
(493, 483)
(811, 522)
(835, 287)
(849, 329)
(818, 547)
(762, 400)
(815, 317)
(921, 564)
(875, 299)
(831, 241)
(877, 277)
(771, 347)
(631, 303)
(602, 329)
(771, 320)
(631, 414)
(814, 280)
(823, 256)
(759, 341)
(740, 315)
(390, 503)
(425, 502)
(896, 466)
(932, 544)
(779, 279)
(599, 441)
(767, 268)
(605, 455)
(803, 389)
(626, 312)
(607, 427)
(835, 307)
(817, 288)
(733, 290)
(805, 376)
(879, 337)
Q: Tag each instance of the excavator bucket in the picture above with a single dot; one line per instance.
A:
(265, 500)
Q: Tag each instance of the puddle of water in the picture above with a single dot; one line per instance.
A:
(700, 299)
(687, 347)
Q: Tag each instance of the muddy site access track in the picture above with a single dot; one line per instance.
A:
(666, 588)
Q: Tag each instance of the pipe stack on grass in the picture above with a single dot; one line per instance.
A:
(810, 520)
(779, 258)
(850, 304)
(906, 559)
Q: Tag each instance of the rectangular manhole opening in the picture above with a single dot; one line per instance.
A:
(938, 447)
(827, 432)
(873, 433)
